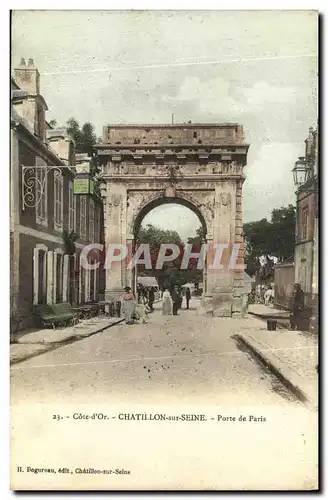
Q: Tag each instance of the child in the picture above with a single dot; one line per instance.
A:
(142, 311)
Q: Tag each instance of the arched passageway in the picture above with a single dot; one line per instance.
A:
(171, 221)
(197, 165)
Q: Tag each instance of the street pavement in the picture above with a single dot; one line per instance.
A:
(187, 358)
(185, 364)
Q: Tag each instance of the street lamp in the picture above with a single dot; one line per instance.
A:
(301, 172)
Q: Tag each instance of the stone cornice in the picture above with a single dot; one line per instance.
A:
(172, 125)
(109, 149)
(139, 179)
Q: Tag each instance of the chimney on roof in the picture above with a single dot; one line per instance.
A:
(27, 77)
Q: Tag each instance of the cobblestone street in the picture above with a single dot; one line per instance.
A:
(185, 358)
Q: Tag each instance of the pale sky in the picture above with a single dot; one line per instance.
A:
(256, 68)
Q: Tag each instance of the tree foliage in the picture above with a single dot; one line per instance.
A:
(53, 123)
(196, 275)
(84, 137)
(274, 238)
(70, 238)
(171, 273)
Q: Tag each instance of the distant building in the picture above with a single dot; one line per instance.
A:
(306, 248)
(44, 208)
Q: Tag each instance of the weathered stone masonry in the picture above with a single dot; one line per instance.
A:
(197, 165)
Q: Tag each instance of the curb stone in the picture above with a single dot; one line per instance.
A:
(291, 385)
(269, 316)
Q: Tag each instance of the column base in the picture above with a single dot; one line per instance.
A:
(237, 315)
(223, 305)
(217, 305)
(239, 306)
(206, 306)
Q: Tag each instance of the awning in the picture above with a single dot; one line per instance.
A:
(147, 281)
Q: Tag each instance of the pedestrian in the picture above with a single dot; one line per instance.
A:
(142, 311)
(128, 305)
(167, 304)
(188, 295)
(176, 300)
(180, 298)
(297, 307)
(139, 292)
(268, 296)
(151, 299)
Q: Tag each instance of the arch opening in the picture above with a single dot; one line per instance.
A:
(167, 201)
(147, 228)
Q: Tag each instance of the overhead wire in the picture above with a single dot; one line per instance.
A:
(179, 64)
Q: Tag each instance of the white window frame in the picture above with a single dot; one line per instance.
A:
(36, 292)
(92, 220)
(41, 192)
(58, 201)
(83, 217)
(71, 208)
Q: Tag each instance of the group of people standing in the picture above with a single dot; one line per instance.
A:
(137, 308)
(146, 295)
(172, 300)
(261, 295)
(297, 303)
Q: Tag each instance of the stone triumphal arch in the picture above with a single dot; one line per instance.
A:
(197, 165)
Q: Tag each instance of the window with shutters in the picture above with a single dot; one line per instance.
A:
(71, 208)
(83, 217)
(92, 220)
(58, 201)
(97, 224)
(59, 277)
(92, 282)
(42, 277)
(41, 188)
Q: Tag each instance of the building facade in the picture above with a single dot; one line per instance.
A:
(45, 212)
(306, 247)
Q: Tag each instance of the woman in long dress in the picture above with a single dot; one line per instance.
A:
(167, 304)
(128, 305)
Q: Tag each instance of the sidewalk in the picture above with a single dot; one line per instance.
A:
(291, 355)
(263, 311)
(34, 343)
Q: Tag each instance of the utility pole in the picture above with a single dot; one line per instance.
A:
(172, 118)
